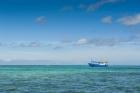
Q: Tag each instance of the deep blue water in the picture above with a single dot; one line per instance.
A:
(69, 79)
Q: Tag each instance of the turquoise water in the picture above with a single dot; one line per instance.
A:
(69, 79)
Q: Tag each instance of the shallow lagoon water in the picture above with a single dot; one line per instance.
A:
(69, 79)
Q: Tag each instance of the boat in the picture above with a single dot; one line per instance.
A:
(98, 63)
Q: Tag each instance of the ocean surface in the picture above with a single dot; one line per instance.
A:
(69, 79)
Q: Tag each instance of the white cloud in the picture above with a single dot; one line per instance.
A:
(90, 6)
(107, 20)
(130, 40)
(57, 47)
(94, 6)
(106, 41)
(30, 44)
(82, 41)
(22, 44)
(130, 20)
(41, 20)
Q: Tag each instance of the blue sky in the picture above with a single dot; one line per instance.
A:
(69, 31)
